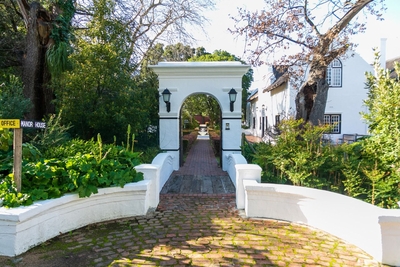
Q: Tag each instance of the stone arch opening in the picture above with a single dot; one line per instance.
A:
(183, 79)
(208, 114)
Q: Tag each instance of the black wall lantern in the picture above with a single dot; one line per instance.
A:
(166, 94)
(232, 97)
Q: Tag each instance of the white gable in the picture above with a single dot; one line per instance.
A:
(345, 100)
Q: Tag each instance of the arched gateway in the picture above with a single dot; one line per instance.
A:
(183, 79)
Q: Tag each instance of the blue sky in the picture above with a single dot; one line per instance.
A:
(220, 38)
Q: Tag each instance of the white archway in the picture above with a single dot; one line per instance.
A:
(183, 79)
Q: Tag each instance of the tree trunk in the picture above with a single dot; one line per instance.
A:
(304, 102)
(318, 109)
(36, 77)
(311, 99)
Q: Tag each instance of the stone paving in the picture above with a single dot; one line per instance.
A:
(201, 161)
(193, 230)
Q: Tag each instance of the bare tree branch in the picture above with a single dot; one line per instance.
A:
(320, 31)
(24, 7)
(152, 21)
(308, 19)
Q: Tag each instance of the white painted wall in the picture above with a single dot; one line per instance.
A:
(346, 100)
(25, 227)
(213, 78)
(373, 229)
(158, 172)
(239, 170)
(280, 101)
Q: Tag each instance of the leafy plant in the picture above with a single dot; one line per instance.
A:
(77, 166)
(380, 152)
(55, 134)
(6, 152)
(6, 139)
(299, 152)
(12, 102)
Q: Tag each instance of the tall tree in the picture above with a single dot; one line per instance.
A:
(48, 35)
(172, 52)
(46, 44)
(153, 21)
(99, 94)
(221, 55)
(178, 52)
(319, 30)
(11, 36)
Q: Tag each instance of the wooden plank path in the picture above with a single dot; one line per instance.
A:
(195, 184)
(200, 174)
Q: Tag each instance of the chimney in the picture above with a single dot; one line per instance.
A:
(382, 52)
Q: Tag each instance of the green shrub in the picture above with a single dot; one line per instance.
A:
(12, 102)
(149, 154)
(76, 166)
(54, 135)
(300, 153)
(188, 140)
(215, 140)
(379, 166)
(301, 157)
(6, 152)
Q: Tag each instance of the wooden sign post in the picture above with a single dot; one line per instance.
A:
(17, 125)
(17, 147)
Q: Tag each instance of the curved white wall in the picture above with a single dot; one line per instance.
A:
(25, 227)
(375, 230)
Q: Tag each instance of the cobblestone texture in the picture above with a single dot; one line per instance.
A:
(193, 230)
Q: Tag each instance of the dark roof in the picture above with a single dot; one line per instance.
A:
(390, 66)
(281, 76)
(253, 95)
(278, 71)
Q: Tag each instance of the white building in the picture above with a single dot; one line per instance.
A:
(275, 102)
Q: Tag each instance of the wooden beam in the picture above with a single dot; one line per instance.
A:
(17, 147)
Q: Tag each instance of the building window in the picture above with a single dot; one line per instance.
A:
(334, 73)
(335, 121)
(254, 122)
(277, 119)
